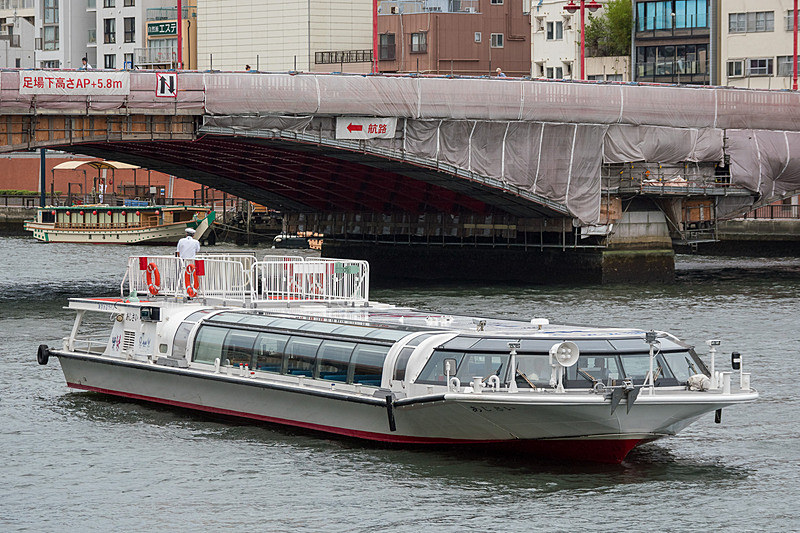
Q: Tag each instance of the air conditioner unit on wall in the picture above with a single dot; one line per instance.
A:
(393, 10)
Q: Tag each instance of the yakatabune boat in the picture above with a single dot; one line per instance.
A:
(299, 343)
(103, 224)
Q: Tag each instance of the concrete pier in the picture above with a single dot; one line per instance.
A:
(12, 218)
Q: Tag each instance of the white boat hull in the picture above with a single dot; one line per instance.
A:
(566, 427)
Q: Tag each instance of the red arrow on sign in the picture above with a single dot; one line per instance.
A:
(352, 127)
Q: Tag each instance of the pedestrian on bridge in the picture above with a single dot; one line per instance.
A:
(85, 64)
(500, 73)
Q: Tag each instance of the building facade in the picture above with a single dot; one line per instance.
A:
(282, 36)
(161, 29)
(458, 37)
(674, 41)
(756, 43)
(17, 33)
(65, 33)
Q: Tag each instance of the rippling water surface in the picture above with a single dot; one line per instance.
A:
(78, 461)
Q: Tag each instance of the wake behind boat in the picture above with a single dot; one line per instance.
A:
(103, 224)
(298, 342)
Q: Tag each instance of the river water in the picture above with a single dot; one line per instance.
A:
(78, 461)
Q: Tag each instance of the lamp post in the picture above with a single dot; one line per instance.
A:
(571, 8)
(794, 59)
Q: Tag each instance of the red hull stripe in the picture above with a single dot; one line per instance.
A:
(605, 450)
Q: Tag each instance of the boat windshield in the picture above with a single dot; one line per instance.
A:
(606, 361)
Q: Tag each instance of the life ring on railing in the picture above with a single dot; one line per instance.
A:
(191, 281)
(153, 279)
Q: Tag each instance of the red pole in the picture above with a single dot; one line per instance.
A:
(180, 35)
(794, 27)
(375, 36)
(583, 40)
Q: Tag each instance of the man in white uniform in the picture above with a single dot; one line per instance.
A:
(188, 247)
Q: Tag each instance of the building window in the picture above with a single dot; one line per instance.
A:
(785, 66)
(18, 62)
(386, 50)
(555, 31)
(735, 68)
(109, 31)
(129, 3)
(666, 15)
(497, 2)
(419, 43)
(51, 11)
(790, 20)
(49, 64)
(614, 77)
(759, 67)
(671, 60)
(91, 4)
(128, 58)
(477, 36)
(50, 38)
(343, 56)
(549, 73)
(110, 61)
(130, 29)
(108, 3)
(753, 21)
(497, 40)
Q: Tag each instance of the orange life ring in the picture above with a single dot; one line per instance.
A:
(191, 281)
(153, 279)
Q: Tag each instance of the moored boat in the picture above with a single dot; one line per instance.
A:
(103, 224)
(298, 342)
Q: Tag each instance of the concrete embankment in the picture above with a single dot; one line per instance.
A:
(12, 218)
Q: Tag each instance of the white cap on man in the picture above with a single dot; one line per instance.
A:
(190, 231)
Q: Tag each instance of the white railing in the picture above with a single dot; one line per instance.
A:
(217, 277)
(323, 280)
(237, 277)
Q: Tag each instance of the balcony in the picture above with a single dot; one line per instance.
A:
(170, 13)
(671, 27)
(151, 57)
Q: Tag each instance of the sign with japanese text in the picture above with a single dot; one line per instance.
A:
(162, 28)
(82, 82)
(365, 127)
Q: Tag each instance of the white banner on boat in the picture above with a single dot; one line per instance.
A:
(78, 82)
(365, 127)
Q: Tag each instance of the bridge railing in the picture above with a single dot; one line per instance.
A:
(775, 211)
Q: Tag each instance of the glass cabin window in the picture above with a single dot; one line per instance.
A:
(533, 370)
(181, 337)
(238, 347)
(637, 366)
(208, 344)
(593, 368)
(367, 367)
(333, 360)
(402, 362)
(301, 355)
(269, 352)
(481, 365)
(682, 365)
(433, 372)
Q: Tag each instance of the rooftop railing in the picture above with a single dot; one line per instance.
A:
(408, 7)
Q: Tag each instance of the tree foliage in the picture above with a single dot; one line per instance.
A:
(609, 34)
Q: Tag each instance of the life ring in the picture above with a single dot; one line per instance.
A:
(191, 281)
(153, 279)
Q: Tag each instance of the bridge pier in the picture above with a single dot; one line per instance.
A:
(638, 251)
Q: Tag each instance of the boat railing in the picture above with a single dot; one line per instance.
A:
(322, 280)
(240, 277)
(95, 344)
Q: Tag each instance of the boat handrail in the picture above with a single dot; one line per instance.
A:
(217, 277)
(318, 280)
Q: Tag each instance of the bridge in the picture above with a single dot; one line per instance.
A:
(430, 177)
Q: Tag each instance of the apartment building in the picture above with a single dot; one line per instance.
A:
(556, 42)
(673, 41)
(459, 37)
(289, 35)
(161, 51)
(64, 32)
(121, 30)
(756, 43)
(17, 33)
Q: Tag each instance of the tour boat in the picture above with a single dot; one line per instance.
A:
(298, 342)
(103, 224)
